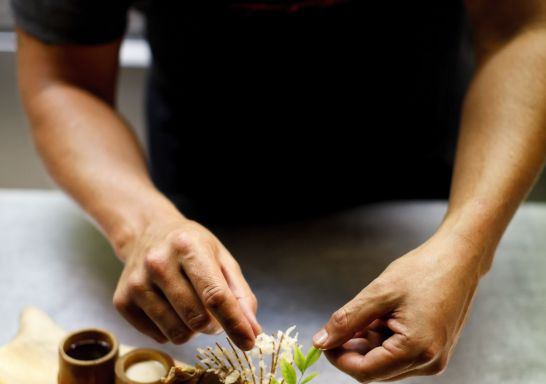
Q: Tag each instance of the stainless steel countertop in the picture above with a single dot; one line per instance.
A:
(52, 258)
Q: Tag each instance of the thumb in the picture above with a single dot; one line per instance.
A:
(370, 304)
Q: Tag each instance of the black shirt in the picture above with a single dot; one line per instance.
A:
(278, 107)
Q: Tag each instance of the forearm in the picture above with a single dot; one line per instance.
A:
(502, 143)
(94, 156)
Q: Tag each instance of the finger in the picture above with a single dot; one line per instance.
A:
(375, 339)
(210, 284)
(163, 315)
(138, 319)
(370, 304)
(378, 326)
(187, 305)
(379, 363)
(166, 273)
(240, 288)
(360, 345)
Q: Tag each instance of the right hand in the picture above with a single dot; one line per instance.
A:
(179, 279)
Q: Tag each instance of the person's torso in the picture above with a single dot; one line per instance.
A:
(279, 98)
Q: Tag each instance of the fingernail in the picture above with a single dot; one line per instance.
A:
(320, 338)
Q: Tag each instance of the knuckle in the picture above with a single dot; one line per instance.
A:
(196, 321)
(159, 313)
(190, 240)
(214, 296)
(184, 239)
(340, 318)
(399, 346)
(156, 262)
(120, 302)
(136, 285)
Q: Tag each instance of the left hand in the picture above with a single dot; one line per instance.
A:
(407, 321)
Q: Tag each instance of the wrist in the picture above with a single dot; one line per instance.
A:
(478, 227)
(136, 218)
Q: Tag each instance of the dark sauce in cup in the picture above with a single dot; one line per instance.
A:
(88, 349)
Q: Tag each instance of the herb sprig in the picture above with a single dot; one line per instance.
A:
(234, 366)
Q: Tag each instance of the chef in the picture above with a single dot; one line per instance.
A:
(273, 110)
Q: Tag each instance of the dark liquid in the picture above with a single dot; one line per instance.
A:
(88, 349)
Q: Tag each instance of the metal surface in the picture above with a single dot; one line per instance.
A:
(52, 258)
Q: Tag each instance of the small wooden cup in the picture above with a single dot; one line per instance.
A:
(137, 356)
(88, 356)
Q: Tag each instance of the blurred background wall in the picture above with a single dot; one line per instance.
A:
(20, 166)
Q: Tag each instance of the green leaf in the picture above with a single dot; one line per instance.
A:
(299, 359)
(288, 372)
(312, 356)
(273, 380)
(309, 378)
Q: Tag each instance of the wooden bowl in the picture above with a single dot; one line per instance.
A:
(137, 356)
(88, 356)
